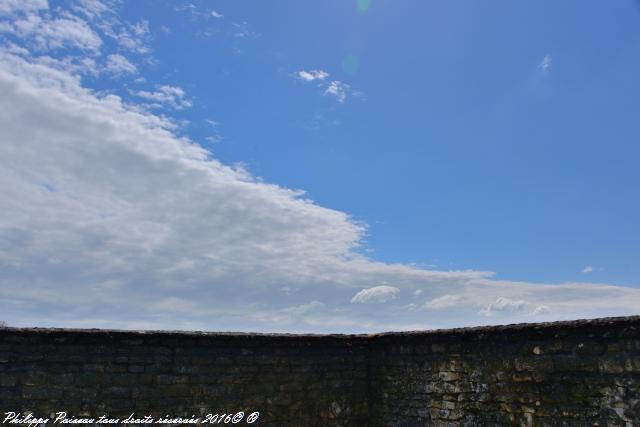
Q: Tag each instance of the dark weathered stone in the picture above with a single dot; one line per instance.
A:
(555, 374)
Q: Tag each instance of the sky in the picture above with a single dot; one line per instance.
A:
(318, 166)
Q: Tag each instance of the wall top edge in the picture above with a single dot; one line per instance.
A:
(474, 330)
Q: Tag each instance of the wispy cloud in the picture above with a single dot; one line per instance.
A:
(444, 301)
(334, 88)
(503, 305)
(541, 310)
(47, 34)
(377, 294)
(15, 6)
(72, 39)
(338, 90)
(197, 12)
(133, 37)
(92, 9)
(546, 63)
(118, 64)
(241, 30)
(312, 75)
(304, 308)
(166, 96)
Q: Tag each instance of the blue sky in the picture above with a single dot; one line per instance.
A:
(372, 165)
(462, 151)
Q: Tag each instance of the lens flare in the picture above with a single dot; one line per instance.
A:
(350, 64)
(363, 5)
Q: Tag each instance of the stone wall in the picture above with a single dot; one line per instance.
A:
(565, 373)
(580, 373)
(290, 380)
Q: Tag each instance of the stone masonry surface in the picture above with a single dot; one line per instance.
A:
(577, 373)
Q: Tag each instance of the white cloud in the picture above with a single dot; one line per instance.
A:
(131, 37)
(118, 64)
(503, 305)
(312, 75)
(214, 139)
(76, 65)
(242, 30)
(109, 219)
(140, 28)
(8, 7)
(444, 301)
(130, 42)
(541, 310)
(92, 9)
(15, 49)
(304, 308)
(546, 63)
(334, 88)
(338, 89)
(377, 294)
(47, 34)
(71, 37)
(166, 95)
(216, 14)
(286, 290)
(587, 269)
